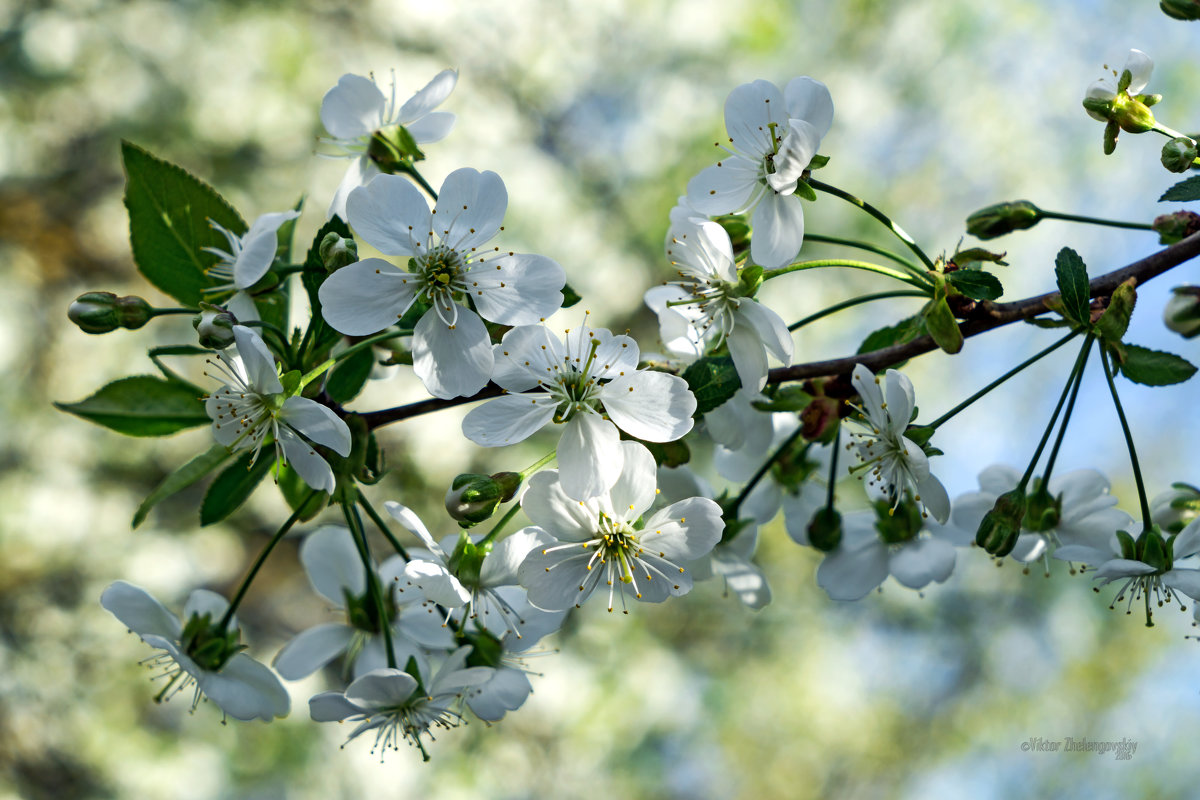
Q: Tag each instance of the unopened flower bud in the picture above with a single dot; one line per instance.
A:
(1182, 313)
(337, 251)
(1179, 154)
(102, 312)
(825, 529)
(473, 498)
(1175, 508)
(1181, 9)
(214, 326)
(1001, 526)
(1002, 218)
(1177, 226)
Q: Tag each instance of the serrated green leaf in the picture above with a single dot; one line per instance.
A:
(169, 213)
(231, 488)
(1183, 192)
(976, 284)
(1072, 277)
(348, 377)
(1154, 367)
(903, 331)
(142, 405)
(713, 380)
(182, 478)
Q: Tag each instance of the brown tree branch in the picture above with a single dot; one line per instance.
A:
(986, 316)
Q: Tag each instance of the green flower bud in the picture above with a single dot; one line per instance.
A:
(1179, 154)
(825, 529)
(473, 498)
(214, 326)
(1002, 218)
(102, 312)
(1001, 526)
(1181, 9)
(1182, 313)
(1177, 226)
(1174, 509)
(336, 251)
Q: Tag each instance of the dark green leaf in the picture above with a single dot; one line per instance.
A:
(976, 284)
(570, 296)
(182, 478)
(1154, 367)
(1183, 192)
(788, 398)
(713, 380)
(169, 213)
(231, 488)
(142, 405)
(1072, 277)
(346, 379)
(903, 331)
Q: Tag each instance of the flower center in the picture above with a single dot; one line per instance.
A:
(441, 270)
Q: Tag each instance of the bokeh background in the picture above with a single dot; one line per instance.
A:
(595, 114)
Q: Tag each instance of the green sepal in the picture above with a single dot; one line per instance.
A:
(486, 649)
(1154, 367)
(975, 257)
(570, 296)
(466, 562)
(941, 325)
(1072, 277)
(900, 523)
(1001, 525)
(805, 192)
(713, 380)
(233, 486)
(1154, 551)
(818, 161)
(1115, 320)
(142, 405)
(919, 434)
(1183, 192)
(749, 281)
(169, 213)
(180, 479)
(1128, 547)
(206, 644)
(290, 381)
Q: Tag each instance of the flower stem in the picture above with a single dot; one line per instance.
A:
(783, 448)
(854, 301)
(1133, 459)
(369, 341)
(841, 262)
(1063, 428)
(870, 248)
(833, 459)
(534, 467)
(1079, 362)
(160, 312)
(896, 230)
(491, 535)
(411, 171)
(383, 528)
(1028, 362)
(1111, 223)
(262, 557)
(360, 541)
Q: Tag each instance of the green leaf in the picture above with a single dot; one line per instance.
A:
(348, 377)
(903, 331)
(668, 454)
(182, 478)
(1154, 367)
(142, 405)
(788, 398)
(1072, 277)
(570, 296)
(231, 488)
(713, 380)
(169, 213)
(1183, 191)
(976, 284)
(1115, 320)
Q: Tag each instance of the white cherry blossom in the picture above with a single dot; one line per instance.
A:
(252, 405)
(773, 136)
(599, 543)
(895, 462)
(451, 271)
(589, 384)
(1138, 64)
(354, 109)
(241, 687)
(247, 261)
(703, 310)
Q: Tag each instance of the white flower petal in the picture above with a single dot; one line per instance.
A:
(413, 524)
(921, 561)
(508, 419)
(139, 611)
(768, 326)
(527, 354)
(430, 97)
(1140, 66)
(353, 108)
(500, 566)
(1117, 568)
(901, 398)
(257, 361)
(809, 100)
(381, 688)
(359, 173)
(367, 296)
(391, 215)
(933, 496)
(634, 491)
(749, 111)
(520, 289)
(437, 583)
(432, 127)
(317, 422)
(452, 361)
(549, 507)
(795, 152)
(312, 649)
(724, 188)
(589, 456)
(778, 224)
(245, 689)
(506, 691)
(470, 208)
(331, 707)
(851, 573)
(558, 579)
(308, 464)
(652, 406)
(333, 564)
(201, 602)
(684, 531)
(1183, 580)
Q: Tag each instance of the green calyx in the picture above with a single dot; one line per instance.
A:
(825, 529)
(1001, 526)
(1042, 509)
(1149, 548)
(394, 149)
(898, 524)
(362, 612)
(466, 562)
(792, 467)
(486, 649)
(206, 644)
